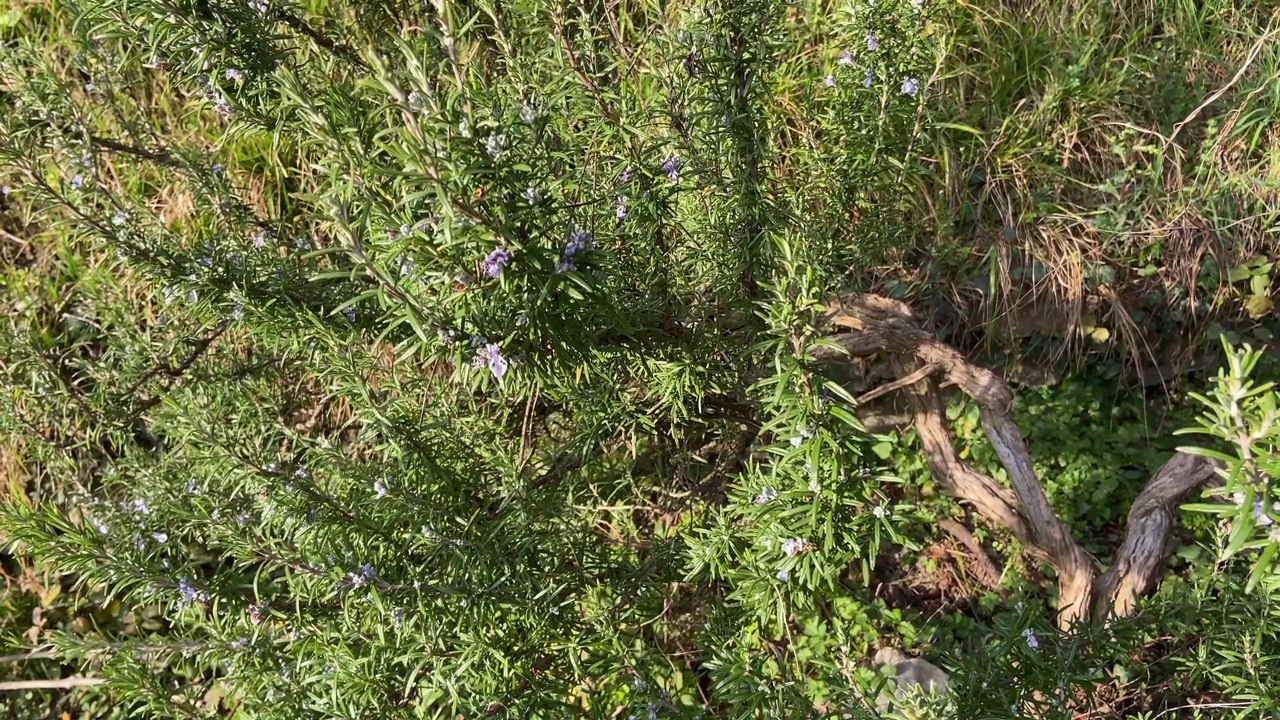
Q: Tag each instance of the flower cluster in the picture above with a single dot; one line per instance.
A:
(490, 356)
(579, 242)
(495, 261)
(795, 546)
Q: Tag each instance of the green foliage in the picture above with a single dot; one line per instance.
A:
(1245, 415)
(457, 359)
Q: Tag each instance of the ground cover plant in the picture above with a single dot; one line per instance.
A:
(638, 359)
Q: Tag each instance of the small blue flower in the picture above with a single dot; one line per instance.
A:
(910, 86)
(626, 175)
(160, 537)
(620, 209)
(870, 78)
(120, 218)
(1260, 514)
(766, 495)
(579, 241)
(528, 114)
(671, 167)
(1030, 637)
(77, 182)
(794, 546)
(873, 42)
(350, 312)
(846, 58)
(495, 145)
(532, 195)
(406, 266)
(490, 356)
(783, 575)
(829, 81)
(379, 489)
(234, 74)
(189, 594)
(495, 261)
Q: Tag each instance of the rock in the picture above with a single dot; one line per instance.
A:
(919, 686)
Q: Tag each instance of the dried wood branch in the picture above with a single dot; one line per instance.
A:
(58, 684)
(876, 324)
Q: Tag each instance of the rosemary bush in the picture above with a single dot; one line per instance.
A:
(455, 359)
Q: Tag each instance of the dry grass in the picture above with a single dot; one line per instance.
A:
(1075, 111)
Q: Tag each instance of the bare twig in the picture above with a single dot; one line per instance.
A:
(1253, 55)
(983, 569)
(901, 382)
(23, 657)
(59, 684)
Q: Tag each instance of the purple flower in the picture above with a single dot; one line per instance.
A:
(1030, 637)
(625, 177)
(910, 86)
(829, 81)
(766, 495)
(532, 195)
(870, 78)
(120, 218)
(802, 434)
(300, 472)
(379, 489)
(77, 182)
(188, 594)
(873, 42)
(350, 312)
(620, 209)
(490, 356)
(579, 240)
(846, 58)
(160, 537)
(783, 575)
(137, 506)
(234, 74)
(794, 546)
(671, 167)
(1260, 514)
(99, 525)
(259, 239)
(495, 145)
(495, 261)
(366, 572)
(528, 114)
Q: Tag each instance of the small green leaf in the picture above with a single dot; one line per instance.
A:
(1258, 306)
(1259, 283)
